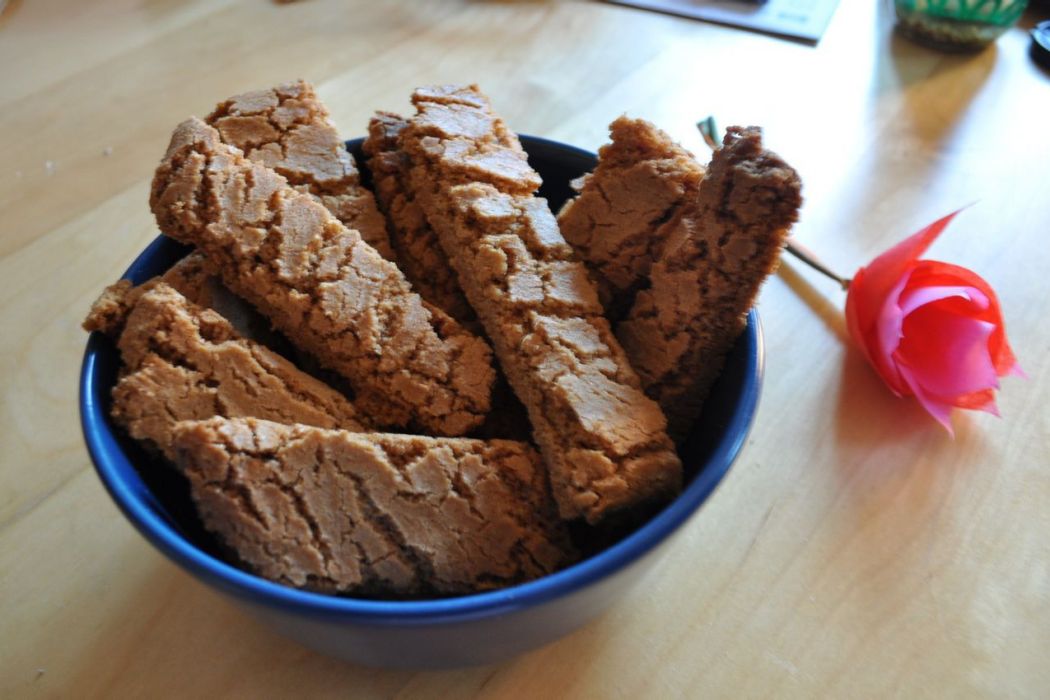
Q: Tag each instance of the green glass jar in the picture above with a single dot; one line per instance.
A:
(957, 25)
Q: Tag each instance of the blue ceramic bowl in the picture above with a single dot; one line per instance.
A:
(472, 629)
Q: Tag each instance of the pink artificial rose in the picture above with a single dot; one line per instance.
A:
(930, 329)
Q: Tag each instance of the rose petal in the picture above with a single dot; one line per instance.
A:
(948, 354)
(979, 401)
(938, 409)
(930, 328)
(929, 273)
(914, 297)
(889, 331)
(858, 314)
(871, 318)
(882, 274)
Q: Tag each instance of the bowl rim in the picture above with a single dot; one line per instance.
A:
(110, 461)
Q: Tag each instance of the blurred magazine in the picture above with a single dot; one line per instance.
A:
(800, 19)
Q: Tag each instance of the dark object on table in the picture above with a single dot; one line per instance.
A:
(1041, 44)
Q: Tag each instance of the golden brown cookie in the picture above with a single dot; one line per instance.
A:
(603, 440)
(373, 513)
(618, 223)
(183, 362)
(324, 288)
(419, 253)
(192, 278)
(287, 129)
(717, 255)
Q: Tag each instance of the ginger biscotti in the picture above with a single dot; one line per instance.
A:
(720, 250)
(184, 362)
(603, 440)
(193, 279)
(322, 286)
(419, 253)
(189, 277)
(619, 222)
(347, 512)
(286, 128)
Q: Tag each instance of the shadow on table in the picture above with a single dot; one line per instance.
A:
(936, 101)
(175, 637)
(935, 104)
(870, 421)
(817, 301)
(868, 414)
(920, 104)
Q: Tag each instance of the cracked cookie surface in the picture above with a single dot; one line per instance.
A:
(192, 278)
(286, 128)
(362, 513)
(189, 277)
(603, 440)
(617, 224)
(716, 257)
(419, 253)
(322, 286)
(184, 362)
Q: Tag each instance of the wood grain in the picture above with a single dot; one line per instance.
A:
(855, 550)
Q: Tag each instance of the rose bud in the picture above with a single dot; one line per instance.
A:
(930, 329)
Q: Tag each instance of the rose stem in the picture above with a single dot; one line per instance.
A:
(807, 256)
(708, 129)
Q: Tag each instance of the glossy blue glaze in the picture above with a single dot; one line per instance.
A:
(437, 633)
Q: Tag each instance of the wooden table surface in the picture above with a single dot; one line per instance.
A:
(855, 549)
